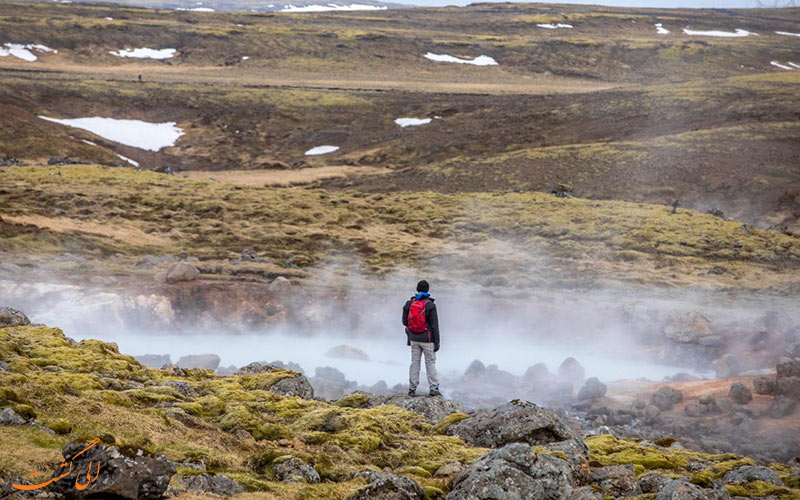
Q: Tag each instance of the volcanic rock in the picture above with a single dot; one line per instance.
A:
(10, 417)
(570, 369)
(748, 473)
(781, 406)
(682, 490)
(764, 385)
(181, 271)
(615, 480)
(153, 360)
(135, 474)
(727, 366)
(294, 470)
(514, 471)
(433, 409)
(475, 369)
(347, 352)
(385, 486)
(593, 389)
(666, 397)
(739, 393)
(211, 483)
(280, 284)
(12, 317)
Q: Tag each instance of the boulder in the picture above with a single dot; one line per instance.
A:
(516, 421)
(536, 373)
(666, 397)
(690, 341)
(199, 361)
(727, 366)
(748, 473)
(134, 474)
(12, 317)
(788, 386)
(652, 482)
(9, 417)
(740, 393)
(592, 389)
(781, 406)
(513, 472)
(347, 352)
(385, 486)
(211, 483)
(298, 387)
(181, 271)
(475, 369)
(615, 480)
(788, 367)
(153, 360)
(329, 373)
(764, 385)
(181, 386)
(571, 370)
(280, 284)
(432, 409)
(683, 490)
(294, 470)
(256, 367)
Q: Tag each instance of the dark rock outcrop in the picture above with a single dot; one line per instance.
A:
(211, 483)
(153, 360)
(592, 389)
(385, 486)
(571, 370)
(294, 470)
(764, 385)
(666, 397)
(683, 490)
(739, 393)
(514, 471)
(134, 474)
(690, 341)
(748, 473)
(615, 480)
(433, 409)
(516, 421)
(12, 317)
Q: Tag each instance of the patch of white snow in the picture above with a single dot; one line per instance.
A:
(144, 53)
(132, 162)
(321, 150)
(737, 33)
(551, 26)
(136, 133)
(412, 122)
(478, 61)
(330, 7)
(781, 66)
(661, 30)
(787, 33)
(22, 51)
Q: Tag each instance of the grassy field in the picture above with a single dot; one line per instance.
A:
(513, 240)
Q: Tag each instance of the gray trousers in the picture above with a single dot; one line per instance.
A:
(417, 350)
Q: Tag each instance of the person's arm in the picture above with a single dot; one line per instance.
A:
(405, 312)
(433, 324)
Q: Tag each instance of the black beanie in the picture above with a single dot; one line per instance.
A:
(423, 286)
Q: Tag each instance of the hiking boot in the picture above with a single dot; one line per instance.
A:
(412, 393)
(435, 392)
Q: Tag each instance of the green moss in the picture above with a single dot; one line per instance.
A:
(431, 493)
(26, 411)
(761, 489)
(8, 394)
(415, 470)
(666, 442)
(606, 450)
(355, 400)
(442, 426)
(60, 426)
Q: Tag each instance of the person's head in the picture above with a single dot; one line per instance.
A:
(423, 286)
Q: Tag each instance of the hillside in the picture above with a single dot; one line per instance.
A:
(610, 105)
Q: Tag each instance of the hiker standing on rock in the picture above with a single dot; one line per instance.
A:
(422, 329)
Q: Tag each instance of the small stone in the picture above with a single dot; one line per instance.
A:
(294, 470)
(9, 417)
(666, 397)
(764, 385)
(593, 389)
(448, 470)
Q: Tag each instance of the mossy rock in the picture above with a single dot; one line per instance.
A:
(445, 423)
(415, 470)
(433, 493)
(607, 450)
(355, 400)
(26, 411)
(760, 489)
(60, 426)
(7, 394)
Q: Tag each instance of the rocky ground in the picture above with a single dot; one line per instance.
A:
(260, 433)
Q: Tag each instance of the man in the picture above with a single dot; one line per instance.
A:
(422, 329)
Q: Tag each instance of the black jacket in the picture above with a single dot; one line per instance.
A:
(431, 317)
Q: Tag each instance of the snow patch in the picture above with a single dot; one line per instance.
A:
(132, 162)
(22, 51)
(321, 150)
(478, 61)
(412, 122)
(330, 7)
(550, 26)
(109, 18)
(136, 133)
(797, 66)
(787, 33)
(197, 9)
(244, 58)
(144, 53)
(89, 142)
(783, 66)
(737, 33)
(661, 30)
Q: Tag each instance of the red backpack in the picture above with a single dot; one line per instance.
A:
(417, 323)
